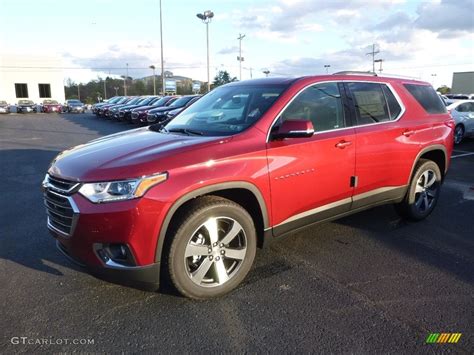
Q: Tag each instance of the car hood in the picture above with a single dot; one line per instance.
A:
(162, 109)
(124, 155)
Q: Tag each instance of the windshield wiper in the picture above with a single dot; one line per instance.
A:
(187, 131)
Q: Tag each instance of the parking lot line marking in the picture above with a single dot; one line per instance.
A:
(462, 155)
(460, 151)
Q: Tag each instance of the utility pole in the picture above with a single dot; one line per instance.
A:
(125, 83)
(154, 77)
(240, 58)
(105, 88)
(373, 53)
(79, 91)
(162, 60)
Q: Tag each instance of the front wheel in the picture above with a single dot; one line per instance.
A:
(423, 191)
(458, 134)
(213, 248)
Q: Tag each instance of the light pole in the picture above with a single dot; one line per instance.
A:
(125, 82)
(433, 79)
(240, 58)
(116, 88)
(327, 66)
(162, 60)
(379, 61)
(206, 17)
(154, 81)
(105, 88)
(79, 91)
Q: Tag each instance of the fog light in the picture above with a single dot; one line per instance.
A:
(119, 254)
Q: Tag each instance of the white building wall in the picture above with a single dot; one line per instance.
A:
(31, 70)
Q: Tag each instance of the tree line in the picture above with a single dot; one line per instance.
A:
(90, 92)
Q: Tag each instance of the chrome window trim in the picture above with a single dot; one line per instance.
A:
(395, 94)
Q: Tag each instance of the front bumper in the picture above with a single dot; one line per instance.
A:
(94, 227)
(143, 277)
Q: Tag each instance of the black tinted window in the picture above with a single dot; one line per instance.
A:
(369, 102)
(426, 97)
(320, 104)
(394, 107)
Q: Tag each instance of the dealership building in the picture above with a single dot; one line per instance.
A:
(463, 83)
(31, 77)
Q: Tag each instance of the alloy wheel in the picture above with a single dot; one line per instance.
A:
(458, 134)
(215, 251)
(426, 191)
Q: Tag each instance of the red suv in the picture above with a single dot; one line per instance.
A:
(247, 163)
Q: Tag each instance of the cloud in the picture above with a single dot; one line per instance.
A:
(447, 16)
(229, 50)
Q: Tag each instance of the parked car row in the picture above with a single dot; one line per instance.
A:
(47, 106)
(143, 109)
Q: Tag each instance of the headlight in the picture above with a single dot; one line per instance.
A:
(99, 192)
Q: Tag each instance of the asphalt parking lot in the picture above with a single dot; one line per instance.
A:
(369, 283)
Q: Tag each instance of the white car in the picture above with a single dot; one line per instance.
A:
(463, 115)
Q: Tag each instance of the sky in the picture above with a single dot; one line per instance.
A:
(423, 39)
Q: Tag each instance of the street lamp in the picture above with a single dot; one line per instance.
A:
(162, 60)
(154, 81)
(266, 72)
(206, 17)
(240, 58)
(327, 66)
(116, 90)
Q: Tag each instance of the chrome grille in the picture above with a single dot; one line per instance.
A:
(60, 185)
(60, 208)
(61, 213)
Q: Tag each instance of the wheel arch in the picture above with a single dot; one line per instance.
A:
(237, 191)
(436, 153)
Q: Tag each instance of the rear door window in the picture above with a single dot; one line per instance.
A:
(427, 98)
(369, 103)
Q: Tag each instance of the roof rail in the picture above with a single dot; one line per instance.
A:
(355, 72)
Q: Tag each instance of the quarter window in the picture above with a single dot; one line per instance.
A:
(44, 90)
(321, 104)
(21, 90)
(427, 98)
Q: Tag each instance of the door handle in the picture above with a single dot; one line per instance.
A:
(408, 133)
(342, 144)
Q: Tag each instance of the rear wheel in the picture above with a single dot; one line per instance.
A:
(423, 191)
(213, 248)
(458, 134)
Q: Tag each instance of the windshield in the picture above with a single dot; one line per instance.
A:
(3, 102)
(181, 101)
(227, 110)
(74, 101)
(161, 101)
(25, 102)
(50, 102)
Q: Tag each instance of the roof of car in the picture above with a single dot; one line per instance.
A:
(458, 102)
(346, 76)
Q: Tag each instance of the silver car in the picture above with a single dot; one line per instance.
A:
(463, 115)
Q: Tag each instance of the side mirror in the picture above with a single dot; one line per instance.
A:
(294, 129)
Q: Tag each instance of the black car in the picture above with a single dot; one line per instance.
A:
(4, 107)
(26, 106)
(74, 106)
(125, 112)
(160, 114)
(139, 114)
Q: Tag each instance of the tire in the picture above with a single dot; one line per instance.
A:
(199, 262)
(458, 134)
(423, 192)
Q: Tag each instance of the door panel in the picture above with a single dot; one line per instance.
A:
(310, 178)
